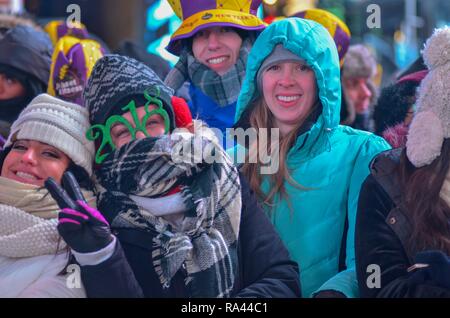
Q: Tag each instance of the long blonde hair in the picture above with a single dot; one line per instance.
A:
(261, 117)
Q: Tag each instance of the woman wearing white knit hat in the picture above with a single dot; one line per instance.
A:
(46, 140)
(403, 224)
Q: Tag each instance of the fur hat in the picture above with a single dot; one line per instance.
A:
(395, 101)
(431, 124)
(359, 62)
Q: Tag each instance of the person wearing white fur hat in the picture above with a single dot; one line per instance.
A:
(46, 140)
(403, 223)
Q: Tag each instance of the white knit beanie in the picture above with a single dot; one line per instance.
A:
(431, 123)
(58, 123)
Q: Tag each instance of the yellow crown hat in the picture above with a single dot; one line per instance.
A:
(197, 15)
(336, 27)
(72, 63)
(56, 29)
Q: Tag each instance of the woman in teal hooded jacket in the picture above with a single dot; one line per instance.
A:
(293, 83)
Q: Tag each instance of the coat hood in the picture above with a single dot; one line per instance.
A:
(28, 50)
(311, 42)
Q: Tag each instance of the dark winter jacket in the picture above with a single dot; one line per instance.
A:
(265, 269)
(382, 231)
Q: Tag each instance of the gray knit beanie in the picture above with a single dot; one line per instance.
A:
(278, 55)
(58, 123)
(115, 78)
(359, 62)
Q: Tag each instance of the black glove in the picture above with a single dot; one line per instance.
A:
(82, 227)
(437, 271)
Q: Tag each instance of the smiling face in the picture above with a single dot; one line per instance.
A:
(217, 47)
(32, 162)
(154, 126)
(290, 91)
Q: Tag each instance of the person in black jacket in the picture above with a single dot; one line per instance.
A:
(25, 58)
(403, 223)
(180, 220)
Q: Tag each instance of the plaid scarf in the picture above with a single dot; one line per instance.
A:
(206, 243)
(224, 89)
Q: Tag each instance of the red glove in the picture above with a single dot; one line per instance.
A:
(183, 116)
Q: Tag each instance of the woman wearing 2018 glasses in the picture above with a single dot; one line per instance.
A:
(186, 223)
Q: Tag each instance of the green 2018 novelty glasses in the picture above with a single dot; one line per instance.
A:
(105, 130)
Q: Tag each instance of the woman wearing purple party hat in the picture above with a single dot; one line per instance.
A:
(213, 42)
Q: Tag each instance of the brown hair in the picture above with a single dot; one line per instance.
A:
(428, 212)
(261, 117)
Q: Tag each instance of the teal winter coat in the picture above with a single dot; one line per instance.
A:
(330, 160)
